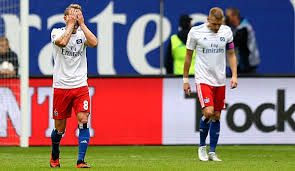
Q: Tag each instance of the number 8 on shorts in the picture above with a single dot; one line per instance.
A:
(85, 104)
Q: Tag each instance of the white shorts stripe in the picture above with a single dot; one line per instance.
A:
(200, 95)
(200, 89)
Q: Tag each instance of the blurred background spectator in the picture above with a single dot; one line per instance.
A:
(245, 42)
(176, 50)
(8, 59)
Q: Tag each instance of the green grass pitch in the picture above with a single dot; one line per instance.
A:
(117, 158)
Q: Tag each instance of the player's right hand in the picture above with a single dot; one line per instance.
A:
(233, 82)
(80, 17)
(187, 88)
(72, 17)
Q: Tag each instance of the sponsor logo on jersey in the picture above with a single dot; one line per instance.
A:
(214, 49)
(70, 53)
(222, 39)
(79, 41)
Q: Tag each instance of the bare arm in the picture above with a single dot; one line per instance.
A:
(91, 40)
(64, 39)
(187, 64)
(232, 60)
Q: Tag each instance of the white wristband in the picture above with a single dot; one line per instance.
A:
(185, 80)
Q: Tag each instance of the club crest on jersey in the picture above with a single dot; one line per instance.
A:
(207, 100)
(79, 41)
(204, 38)
(55, 112)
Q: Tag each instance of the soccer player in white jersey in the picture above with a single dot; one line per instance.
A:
(212, 41)
(70, 80)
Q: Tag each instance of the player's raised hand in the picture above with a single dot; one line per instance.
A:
(72, 17)
(80, 17)
(233, 82)
(187, 88)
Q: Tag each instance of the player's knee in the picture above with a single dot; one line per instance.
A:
(216, 116)
(208, 112)
(82, 117)
(84, 121)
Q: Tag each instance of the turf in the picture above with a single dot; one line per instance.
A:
(152, 158)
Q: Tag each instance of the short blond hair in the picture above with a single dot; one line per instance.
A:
(217, 13)
(74, 6)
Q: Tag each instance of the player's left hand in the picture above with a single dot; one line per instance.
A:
(233, 82)
(80, 17)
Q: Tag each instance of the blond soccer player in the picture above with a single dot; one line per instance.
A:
(70, 80)
(212, 42)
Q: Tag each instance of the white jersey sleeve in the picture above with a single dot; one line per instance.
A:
(229, 36)
(55, 34)
(229, 39)
(191, 42)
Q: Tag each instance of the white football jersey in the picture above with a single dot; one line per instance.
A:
(210, 49)
(70, 63)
